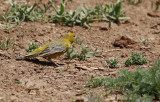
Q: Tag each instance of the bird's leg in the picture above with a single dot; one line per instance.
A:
(50, 60)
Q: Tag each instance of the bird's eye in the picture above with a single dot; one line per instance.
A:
(74, 36)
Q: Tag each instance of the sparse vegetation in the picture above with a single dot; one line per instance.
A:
(23, 12)
(83, 15)
(141, 85)
(136, 59)
(32, 47)
(71, 53)
(5, 45)
(113, 63)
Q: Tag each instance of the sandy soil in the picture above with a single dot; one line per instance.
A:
(43, 82)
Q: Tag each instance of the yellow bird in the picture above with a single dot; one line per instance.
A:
(52, 49)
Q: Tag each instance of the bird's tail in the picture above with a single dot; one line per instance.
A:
(29, 55)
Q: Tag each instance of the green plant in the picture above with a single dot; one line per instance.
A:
(23, 12)
(32, 47)
(78, 17)
(5, 45)
(139, 86)
(135, 2)
(144, 41)
(69, 0)
(83, 15)
(157, 5)
(136, 59)
(6, 26)
(71, 53)
(113, 62)
(18, 81)
(114, 12)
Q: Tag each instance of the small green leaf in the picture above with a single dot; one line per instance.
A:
(32, 47)
(11, 2)
(88, 55)
(84, 50)
(62, 8)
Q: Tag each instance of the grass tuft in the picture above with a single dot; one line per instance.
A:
(5, 45)
(113, 63)
(23, 12)
(136, 59)
(32, 47)
(139, 86)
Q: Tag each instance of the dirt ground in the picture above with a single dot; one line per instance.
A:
(43, 82)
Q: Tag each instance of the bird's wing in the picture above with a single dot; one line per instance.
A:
(52, 49)
(37, 51)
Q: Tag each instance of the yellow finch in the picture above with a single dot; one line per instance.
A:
(52, 49)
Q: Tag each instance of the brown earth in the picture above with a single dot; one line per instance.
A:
(43, 82)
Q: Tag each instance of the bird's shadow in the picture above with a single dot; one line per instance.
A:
(43, 63)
